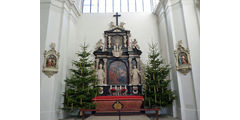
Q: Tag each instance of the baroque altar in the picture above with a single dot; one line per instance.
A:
(117, 62)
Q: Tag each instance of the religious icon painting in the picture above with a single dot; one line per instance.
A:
(50, 65)
(117, 73)
(182, 55)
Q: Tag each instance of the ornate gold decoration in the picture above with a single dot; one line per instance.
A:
(183, 63)
(117, 105)
(51, 57)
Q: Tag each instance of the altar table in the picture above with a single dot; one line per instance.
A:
(130, 103)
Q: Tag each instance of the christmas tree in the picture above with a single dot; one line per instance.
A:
(157, 92)
(81, 86)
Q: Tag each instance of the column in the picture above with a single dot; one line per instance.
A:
(105, 70)
(138, 63)
(109, 41)
(105, 43)
(130, 70)
(128, 41)
(97, 62)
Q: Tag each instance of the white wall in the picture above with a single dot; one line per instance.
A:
(178, 20)
(143, 27)
(57, 25)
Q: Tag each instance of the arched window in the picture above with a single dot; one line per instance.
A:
(110, 6)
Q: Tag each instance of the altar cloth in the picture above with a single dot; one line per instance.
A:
(99, 98)
(130, 103)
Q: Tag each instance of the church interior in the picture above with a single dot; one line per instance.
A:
(119, 36)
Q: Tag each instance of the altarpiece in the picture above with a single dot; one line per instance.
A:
(117, 62)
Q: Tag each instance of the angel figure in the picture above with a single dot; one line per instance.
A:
(112, 25)
(122, 25)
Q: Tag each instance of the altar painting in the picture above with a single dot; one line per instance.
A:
(117, 73)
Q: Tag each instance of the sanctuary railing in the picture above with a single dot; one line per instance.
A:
(122, 112)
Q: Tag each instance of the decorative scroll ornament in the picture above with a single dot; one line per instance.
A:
(183, 63)
(101, 90)
(135, 90)
(51, 57)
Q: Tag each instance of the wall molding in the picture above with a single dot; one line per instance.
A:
(67, 5)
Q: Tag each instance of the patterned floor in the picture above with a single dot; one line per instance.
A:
(131, 117)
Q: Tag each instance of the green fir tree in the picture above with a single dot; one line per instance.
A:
(81, 86)
(157, 92)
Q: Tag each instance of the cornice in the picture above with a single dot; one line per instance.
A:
(68, 5)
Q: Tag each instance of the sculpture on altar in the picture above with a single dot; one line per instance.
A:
(100, 75)
(99, 45)
(135, 45)
(117, 51)
(122, 25)
(136, 76)
(112, 25)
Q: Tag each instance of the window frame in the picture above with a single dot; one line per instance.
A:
(152, 6)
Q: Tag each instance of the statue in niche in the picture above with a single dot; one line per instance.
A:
(136, 76)
(135, 45)
(99, 45)
(117, 50)
(100, 75)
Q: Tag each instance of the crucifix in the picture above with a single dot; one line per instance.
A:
(117, 15)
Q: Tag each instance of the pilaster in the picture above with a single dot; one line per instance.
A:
(172, 12)
(105, 70)
(57, 15)
(193, 42)
(130, 69)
